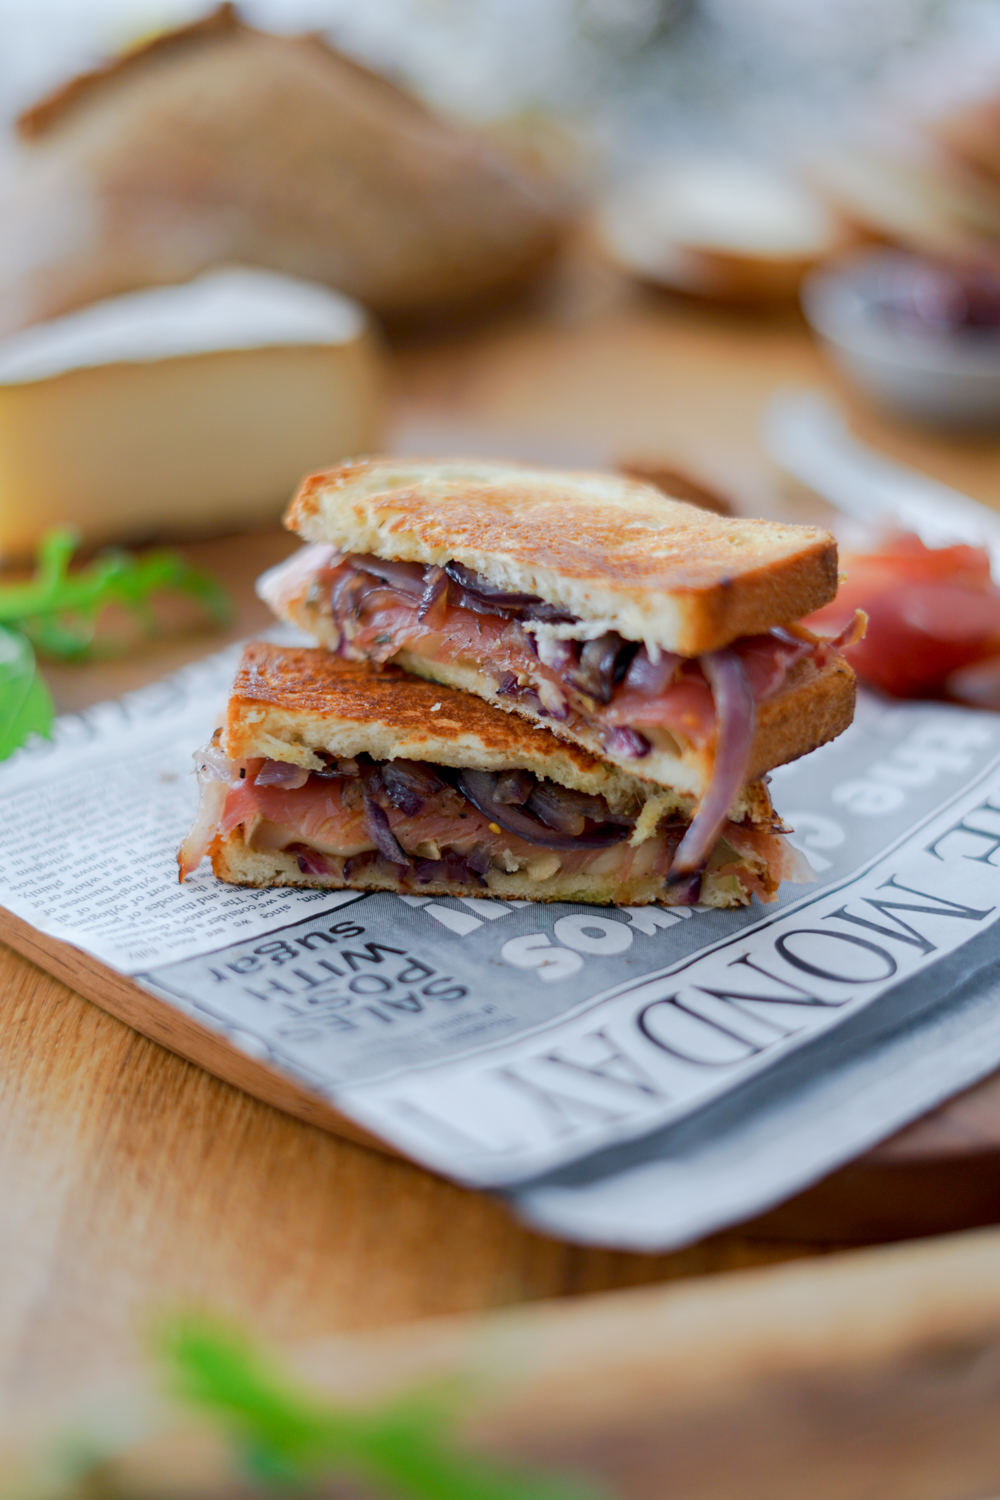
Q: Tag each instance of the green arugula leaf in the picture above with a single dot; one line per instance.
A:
(58, 612)
(25, 704)
(286, 1437)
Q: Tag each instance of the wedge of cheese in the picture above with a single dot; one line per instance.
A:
(183, 410)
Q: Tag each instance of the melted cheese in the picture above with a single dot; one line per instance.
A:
(182, 410)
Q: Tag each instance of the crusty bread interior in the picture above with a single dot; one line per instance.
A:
(234, 862)
(814, 706)
(618, 554)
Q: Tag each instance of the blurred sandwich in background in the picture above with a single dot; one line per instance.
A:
(922, 171)
(717, 227)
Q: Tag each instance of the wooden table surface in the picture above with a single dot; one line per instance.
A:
(132, 1182)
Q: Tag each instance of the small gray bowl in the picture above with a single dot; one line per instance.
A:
(939, 378)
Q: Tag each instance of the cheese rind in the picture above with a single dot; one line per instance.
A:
(140, 428)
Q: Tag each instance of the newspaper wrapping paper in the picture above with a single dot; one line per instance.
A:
(635, 1077)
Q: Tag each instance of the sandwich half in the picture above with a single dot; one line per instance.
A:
(646, 631)
(335, 774)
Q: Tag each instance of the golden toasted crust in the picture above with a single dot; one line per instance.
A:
(813, 708)
(607, 549)
(411, 717)
(232, 861)
(288, 703)
(53, 108)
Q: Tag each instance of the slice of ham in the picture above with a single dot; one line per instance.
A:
(280, 585)
(378, 620)
(687, 707)
(317, 811)
(768, 659)
(328, 819)
(932, 614)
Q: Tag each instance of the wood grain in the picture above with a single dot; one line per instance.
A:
(164, 1023)
(869, 1374)
(131, 1180)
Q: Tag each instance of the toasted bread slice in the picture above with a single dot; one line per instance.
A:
(236, 862)
(814, 706)
(296, 704)
(217, 143)
(306, 709)
(616, 554)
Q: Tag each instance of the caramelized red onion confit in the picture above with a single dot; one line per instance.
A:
(567, 811)
(434, 599)
(626, 742)
(652, 677)
(594, 668)
(485, 598)
(408, 578)
(382, 836)
(543, 813)
(734, 707)
(603, 664)
(543, 825)
(281, 773)
(408, 784)
(514, 787)
(310, 861)
(469, 868)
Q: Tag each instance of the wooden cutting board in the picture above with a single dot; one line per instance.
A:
(942, 1173)
(874, 1373)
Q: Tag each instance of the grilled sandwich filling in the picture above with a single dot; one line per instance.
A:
(632, 697)
(422, 825)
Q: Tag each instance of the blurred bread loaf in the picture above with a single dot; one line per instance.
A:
(217, 143)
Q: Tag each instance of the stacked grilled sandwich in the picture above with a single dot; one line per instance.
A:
(555, 686)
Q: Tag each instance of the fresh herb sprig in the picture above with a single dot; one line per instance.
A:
(59, 610)
(57, 614)
(25, 704)
(405, 1447)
